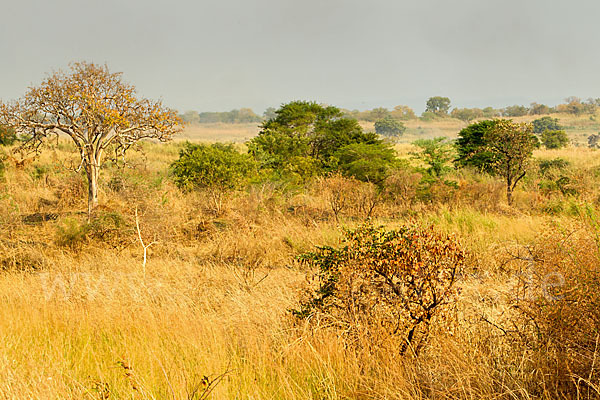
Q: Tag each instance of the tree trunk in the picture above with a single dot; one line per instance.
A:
(92, 170)
(509, 191)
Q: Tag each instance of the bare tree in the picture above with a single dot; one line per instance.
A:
(96, 109)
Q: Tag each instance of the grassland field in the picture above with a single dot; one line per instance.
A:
(207, 316)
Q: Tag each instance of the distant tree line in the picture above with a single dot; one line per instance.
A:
(241, 116)
(436, 107)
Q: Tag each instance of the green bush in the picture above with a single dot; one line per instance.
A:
(388, 126)
(546, 124)
(554, 139)
(218, 166)
(366, 162)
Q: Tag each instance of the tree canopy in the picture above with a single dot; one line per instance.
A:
(471, 146)
(306, 133)
(546, 124)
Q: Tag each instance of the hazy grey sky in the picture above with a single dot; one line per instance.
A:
(219, 55)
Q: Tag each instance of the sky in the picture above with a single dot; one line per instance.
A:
(219, 55)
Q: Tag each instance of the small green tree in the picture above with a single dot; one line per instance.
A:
(216, 165)
(538, 109)
(436, 154)
(490, 112)
(438, 105)
(269, 113)
(216, 168)
(511, 146)
(388, 126)
(554, 139)
(546, 124)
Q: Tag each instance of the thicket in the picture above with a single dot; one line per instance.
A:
(383, 288)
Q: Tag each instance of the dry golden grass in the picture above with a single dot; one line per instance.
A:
(220, 132)
(218, 288)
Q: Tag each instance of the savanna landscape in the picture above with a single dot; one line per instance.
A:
(305, 256)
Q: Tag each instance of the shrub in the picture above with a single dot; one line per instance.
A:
(428, 116)
(110, 228)
(385, 287)
(388, 126)
(594, 140)
(215, 168)
(400, 187)
(467, 114)
(212, 166)
(339, 192)
(546, 124)
(555, 177)
(554, 139)
(436, 154)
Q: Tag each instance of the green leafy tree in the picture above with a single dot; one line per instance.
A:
(471, 147)
(306, 131)
(490, 112)
(546, 124)
(511, 146)
(554, 139)
(388, 126)
(190, 117)
(438, 105)
(366, 162)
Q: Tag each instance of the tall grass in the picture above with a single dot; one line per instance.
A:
(79, 319)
